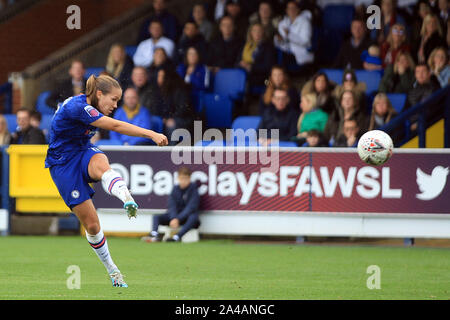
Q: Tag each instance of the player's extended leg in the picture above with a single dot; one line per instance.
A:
(87, 215)
(99, 169)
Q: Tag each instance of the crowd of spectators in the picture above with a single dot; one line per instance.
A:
(175, 61)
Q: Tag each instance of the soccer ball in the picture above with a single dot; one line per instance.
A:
(375, 147)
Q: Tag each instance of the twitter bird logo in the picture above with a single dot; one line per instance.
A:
(432, 185)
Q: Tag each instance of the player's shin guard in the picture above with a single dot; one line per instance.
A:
(100, 245)
(114, 185)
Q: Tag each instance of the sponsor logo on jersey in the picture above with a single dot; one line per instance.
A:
(91, 111)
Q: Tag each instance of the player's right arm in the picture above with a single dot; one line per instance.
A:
(122, 127)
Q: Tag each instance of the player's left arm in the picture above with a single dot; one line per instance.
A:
(129, 129)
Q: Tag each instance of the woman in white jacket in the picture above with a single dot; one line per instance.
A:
(295, 34)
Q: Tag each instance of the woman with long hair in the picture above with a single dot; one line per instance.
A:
(398, 77)
(119, 65)
(431, 36)
(75, 163)
(382, 112)
(395, 43)
(323, 88)
(5, 137)
(439, 65)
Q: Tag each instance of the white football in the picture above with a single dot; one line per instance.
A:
(375, 147)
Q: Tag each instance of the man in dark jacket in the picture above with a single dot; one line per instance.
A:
(351, 49)
(182, 211)
(191, 37)
(26, 134)
(424, 86)
(73, 86)
(225, 49)
(279, 116)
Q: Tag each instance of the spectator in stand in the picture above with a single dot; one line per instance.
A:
(258, 56)
(311, 118)
(265, 17)
(350, 82)
(278, 79)
(350, 134)
(371, 59)
(169, 22)
(314, 138)
(191, 37)
(5, 137)
(444, 12)
(169, 99)
(323, 88)
(144, 52)
(349, 56)
(421, 10)
(132, 112)
(225, 48)
(35, 119)
(395, 42)
(382, 112)
(347, 108)
(160, 61)
(73, 86)
(398, 77)
(389, 17)
(431, 37)
(439, 65)
(295, 35)
(205, 26)
(139, 81)
(278, 116)
(182, 211)
(234, 10)
(26, 134)
(119, 65)
(219, 9)
(425, 84)
(195, 74)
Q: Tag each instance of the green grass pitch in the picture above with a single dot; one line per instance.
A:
(35, 268)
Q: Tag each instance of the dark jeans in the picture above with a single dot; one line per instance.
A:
(187, 224)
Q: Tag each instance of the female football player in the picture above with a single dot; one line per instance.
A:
(74, 162)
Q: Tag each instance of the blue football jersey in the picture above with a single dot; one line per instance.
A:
(71, 130)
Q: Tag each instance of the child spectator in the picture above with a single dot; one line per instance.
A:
(258, 56)
(382, 112)
(119, 65)
(314, 138)
(182, 212)
(398, 77)
(395, 43)
(323, 88)
(5, 137)
(278, 79)
(371, 59)
(438, 63)
(132, 112)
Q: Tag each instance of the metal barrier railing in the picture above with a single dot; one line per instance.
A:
(439, 99)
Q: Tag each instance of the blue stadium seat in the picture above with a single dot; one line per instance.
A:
(218, 109)
(93, 71)
(156, 124)
(109, 142)
(371, 78)
(397, 100)
(11, 121)
(130, 50)
(46, 122)
(246, 122)
(231, 83)
(334, 75)
(284, 144)
(338, 17)
(42, 106)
